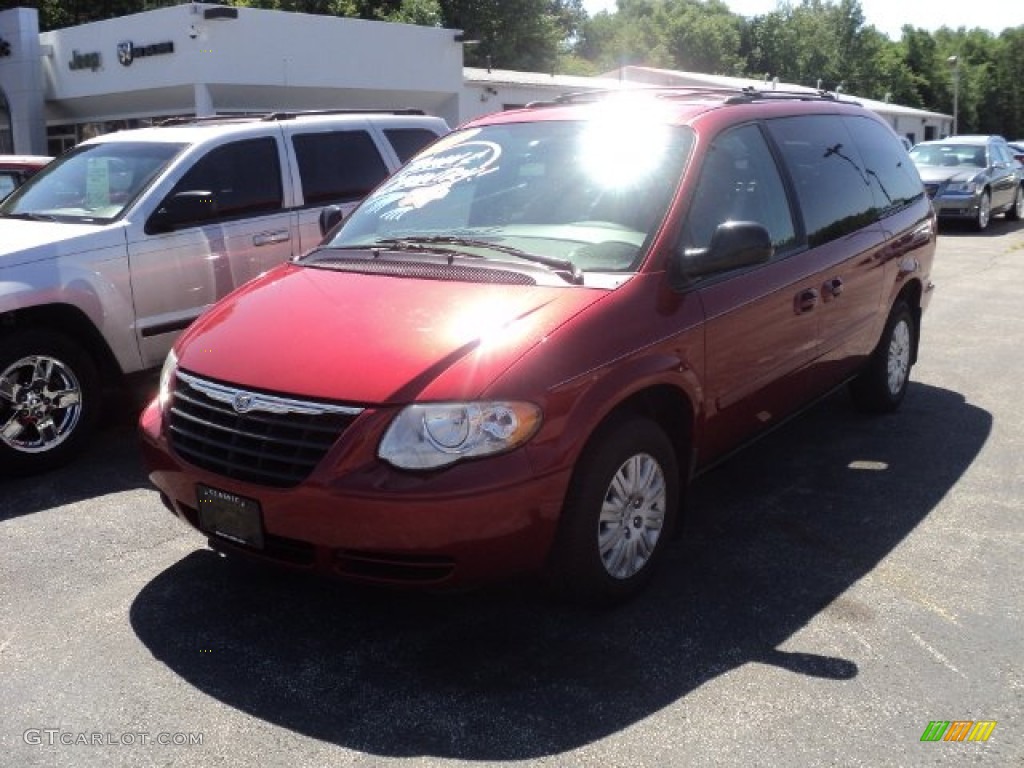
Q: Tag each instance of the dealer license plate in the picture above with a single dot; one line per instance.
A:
(229, 516)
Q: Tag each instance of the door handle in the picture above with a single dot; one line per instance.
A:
(832, 288)
(268, 238)
(805, 301)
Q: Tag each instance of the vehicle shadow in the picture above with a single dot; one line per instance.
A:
(110, 464)
(777, 535)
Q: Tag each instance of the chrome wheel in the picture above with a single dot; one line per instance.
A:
(632, 516)
(40, 404)
(898, 359)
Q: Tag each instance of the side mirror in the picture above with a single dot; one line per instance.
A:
(330, 218)
(734, 244)
(183, 209)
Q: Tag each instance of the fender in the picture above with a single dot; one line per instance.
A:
(94, 281)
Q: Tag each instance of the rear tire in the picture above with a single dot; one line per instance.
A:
(49, 401)
(1016, 212)
(618, 514)
(882, 385)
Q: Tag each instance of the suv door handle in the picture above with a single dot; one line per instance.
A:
(805, 301)
(268, 238)
(832, 288)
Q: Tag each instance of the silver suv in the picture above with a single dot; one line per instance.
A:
(122, 242)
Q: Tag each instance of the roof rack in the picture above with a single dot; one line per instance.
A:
(282, 115)
(734, 95)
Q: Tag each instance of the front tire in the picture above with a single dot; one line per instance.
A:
(882, 385)
(619, 513)
(49, 401)
(984, 214)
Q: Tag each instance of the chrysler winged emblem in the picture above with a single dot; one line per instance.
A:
(125, 52)
(242, 402)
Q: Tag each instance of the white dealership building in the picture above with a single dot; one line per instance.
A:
(60, 87)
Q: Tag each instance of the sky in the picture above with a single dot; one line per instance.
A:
(889, 16)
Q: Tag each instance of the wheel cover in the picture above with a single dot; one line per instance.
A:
(40, 404)
(898, 362)
(1018, 203)
(632, 516)
(984, 211)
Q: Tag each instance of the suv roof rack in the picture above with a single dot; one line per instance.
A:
(282, 115)
(733, 95)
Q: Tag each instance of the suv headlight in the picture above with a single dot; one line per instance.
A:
(434, 435)
(167, 379)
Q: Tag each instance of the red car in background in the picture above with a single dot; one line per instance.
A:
(15, 169)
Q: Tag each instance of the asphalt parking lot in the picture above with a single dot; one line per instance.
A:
(842, 584)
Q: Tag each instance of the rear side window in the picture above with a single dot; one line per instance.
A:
(891, 173)
(342, 166)
(408, 141)
(243, 178)
(832, 183)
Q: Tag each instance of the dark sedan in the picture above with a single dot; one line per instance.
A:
(971, 177)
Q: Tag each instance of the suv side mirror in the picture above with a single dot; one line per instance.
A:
(193, 206)
(330, 217)
(734, 244)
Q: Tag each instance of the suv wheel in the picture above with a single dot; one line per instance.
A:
(49, 401)
(882, 384)
(981, 219)
(1016, 212)
(618, 514)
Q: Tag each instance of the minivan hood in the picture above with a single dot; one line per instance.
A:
(23, 241)
(372, 339)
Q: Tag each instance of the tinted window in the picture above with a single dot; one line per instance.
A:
(243, 178)
(739, 181)
(338, 167)
(408, 141)
(892, 175)
(832, 185)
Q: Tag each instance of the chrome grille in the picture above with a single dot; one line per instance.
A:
(252, 436)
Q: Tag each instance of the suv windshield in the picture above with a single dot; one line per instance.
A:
(586, 195)
(92, 183)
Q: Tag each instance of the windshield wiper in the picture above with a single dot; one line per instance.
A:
(30, 216)
(562, 266)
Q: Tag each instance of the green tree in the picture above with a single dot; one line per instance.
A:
(514, 34)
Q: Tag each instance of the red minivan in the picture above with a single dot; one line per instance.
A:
(515, 353)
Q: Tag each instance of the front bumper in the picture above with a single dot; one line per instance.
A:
(358, 518)
(948, 206)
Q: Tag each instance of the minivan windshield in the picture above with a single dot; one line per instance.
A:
(585, 196)
(92, 183)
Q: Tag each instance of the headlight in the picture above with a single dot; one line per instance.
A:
(167, 379)
(438, 434)
(962, 187)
